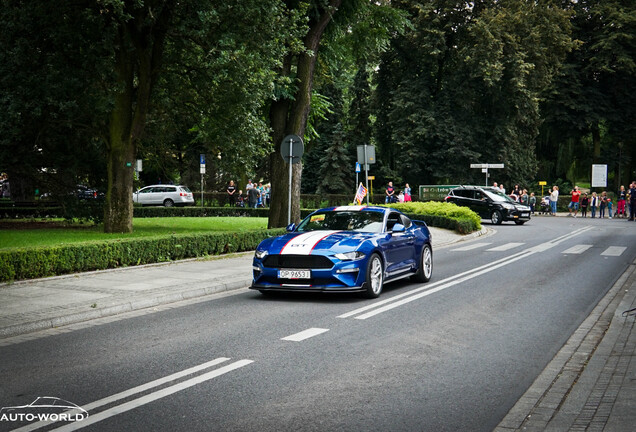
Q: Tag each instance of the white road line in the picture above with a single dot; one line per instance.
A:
(431, 288)
(306, 334)
(132, 391)
(505, 247)
(577, 250)
(614, 251)
(471, 247)
(151, 397)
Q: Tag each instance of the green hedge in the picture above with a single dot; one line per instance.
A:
(40, 262)
(442, 215)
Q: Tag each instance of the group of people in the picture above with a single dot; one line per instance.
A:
(256, 195)
(519, 195)
(597, 203)
(403, 195)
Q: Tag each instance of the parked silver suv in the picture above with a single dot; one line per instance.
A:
(165, 195)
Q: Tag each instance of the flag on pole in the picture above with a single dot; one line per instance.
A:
(360, 194)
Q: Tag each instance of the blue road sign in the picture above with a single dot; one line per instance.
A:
(202, 159)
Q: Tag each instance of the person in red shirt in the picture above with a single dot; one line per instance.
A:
(574, 204)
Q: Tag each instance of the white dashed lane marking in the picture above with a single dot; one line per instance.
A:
(505, 247)
(305, 334)
(577, 250)
(614, 251)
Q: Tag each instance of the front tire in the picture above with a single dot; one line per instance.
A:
(425, 271)
(375, 276)
(495, 217)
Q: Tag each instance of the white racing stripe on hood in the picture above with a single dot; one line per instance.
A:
(304, 243)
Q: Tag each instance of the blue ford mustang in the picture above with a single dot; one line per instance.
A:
(345, 249)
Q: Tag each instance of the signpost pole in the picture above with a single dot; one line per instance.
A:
(366, 172)
(202, 169)
(291, 157)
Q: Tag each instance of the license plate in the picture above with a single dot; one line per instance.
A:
(294, 274)
(525, 214)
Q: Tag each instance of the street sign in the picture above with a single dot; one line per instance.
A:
(140, 165)
(371, 177)
(484, 168)
(599, 175)
(292, 148)
(202, 159)
(357, 167)
(543, 183)
(202, 168)
(370, 154)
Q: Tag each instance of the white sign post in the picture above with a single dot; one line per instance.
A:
(485, 167)
(599, 175)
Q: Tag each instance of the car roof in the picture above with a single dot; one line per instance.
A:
(161, 185)
(357, 208)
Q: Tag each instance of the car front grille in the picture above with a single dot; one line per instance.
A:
(298, 261)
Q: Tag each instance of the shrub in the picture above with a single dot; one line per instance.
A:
(40, 262)
(441, 215)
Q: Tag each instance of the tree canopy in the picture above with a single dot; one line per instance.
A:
(545, 87)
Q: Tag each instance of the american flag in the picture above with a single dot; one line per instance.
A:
(360, 194)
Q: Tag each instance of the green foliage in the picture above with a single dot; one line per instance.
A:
(441, 215)
(41, 262)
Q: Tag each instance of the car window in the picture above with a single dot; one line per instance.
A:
(185, 189)
(363, 221)
(145, 190)
(392, 220)
(405, 221)
(463, 193)
(498, 196)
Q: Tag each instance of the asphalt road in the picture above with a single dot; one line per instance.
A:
(453, 354)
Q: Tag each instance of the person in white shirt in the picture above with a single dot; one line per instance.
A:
(554, 198)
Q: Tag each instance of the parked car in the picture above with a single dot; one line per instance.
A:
(490, 203)
(87, 193)
(165, 195)
(344, 249)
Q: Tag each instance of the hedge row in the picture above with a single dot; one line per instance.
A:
(442, 215)
(41, 262)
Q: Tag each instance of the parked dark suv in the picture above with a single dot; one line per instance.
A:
(490, 203)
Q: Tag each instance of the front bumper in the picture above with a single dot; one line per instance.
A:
(344, 276)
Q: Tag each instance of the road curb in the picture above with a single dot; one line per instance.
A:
(549, 392)
(119, 308)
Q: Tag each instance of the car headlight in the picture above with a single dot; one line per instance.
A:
(349, 256)
(260, 254)
(508, 206)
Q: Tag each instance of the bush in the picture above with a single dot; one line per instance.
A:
(441, 215)
(40, 262)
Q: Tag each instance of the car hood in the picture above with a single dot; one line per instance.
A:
(316, 242)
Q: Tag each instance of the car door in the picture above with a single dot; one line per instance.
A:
(481, 204)
(143, 196)
(399, 247)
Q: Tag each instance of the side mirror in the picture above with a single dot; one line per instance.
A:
(398, 228)
(291, 227)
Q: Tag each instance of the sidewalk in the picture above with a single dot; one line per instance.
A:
(31, 306)
(590, 385)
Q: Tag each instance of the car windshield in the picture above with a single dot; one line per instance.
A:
(498, 196)
(363, 221)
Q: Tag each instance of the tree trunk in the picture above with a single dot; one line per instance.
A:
(291, 118)
(137, 63)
